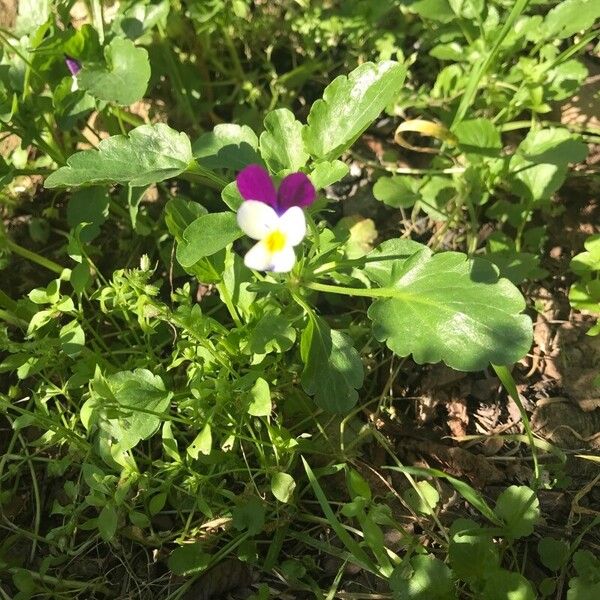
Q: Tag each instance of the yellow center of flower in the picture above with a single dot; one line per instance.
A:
(275, 241)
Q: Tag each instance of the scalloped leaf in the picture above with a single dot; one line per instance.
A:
(281, 144)
(349, 105)
(449, 308)
(150, 154)
(123, 79)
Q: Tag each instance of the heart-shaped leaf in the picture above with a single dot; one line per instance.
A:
(349, 105)
(449, 308)
(123, 79)
(150, 154)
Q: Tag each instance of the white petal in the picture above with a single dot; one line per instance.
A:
(292, 223)
(258, 257)
(282, 262)
(74, 84)
(256, 219)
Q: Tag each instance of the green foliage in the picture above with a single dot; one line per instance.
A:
(150, 153)
(518, 507)
(159, 398)
(446, 308)
(124, 77)
(348, 107)
(332, 367)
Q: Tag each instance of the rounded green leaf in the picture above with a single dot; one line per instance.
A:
(553, 553)
(282, 486)
(449, 308)
(505, 585)
(519, 508)
(123, 79)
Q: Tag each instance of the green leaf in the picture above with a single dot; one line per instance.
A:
(436, 10)
(227, 146)
(123, 79)
(249, 514)
(471, 552)
(72, 339)
(519, 508)
(124, 404)
(260, 394)
(431, 579)
(150, 154)
(587, 262)
(387, 260)
(579, 589)
(349, 105)
(478, 136)
(189, 559)
(422, 500)
(206, 235)
(539, 166)
(282, 486)
(585, 295)
(327, 172)
(157, 503)
(449, 308)
(570, 17)
(398, 191)
(281, 144)
(505, 585)
(202, 443)
(179, 213)
(553, 553)
(88, 206)
(587, 565)
(357, 485)
(107, 522)
(356, 554)
(332, 366)
(273, 333)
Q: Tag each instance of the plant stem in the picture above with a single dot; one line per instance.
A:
(348, 291)
(34, 257)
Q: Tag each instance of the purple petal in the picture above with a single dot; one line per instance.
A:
(295, 190)
(73, 65)
(254, 183)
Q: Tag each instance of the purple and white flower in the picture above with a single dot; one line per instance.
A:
(74, 67)
(273, 217)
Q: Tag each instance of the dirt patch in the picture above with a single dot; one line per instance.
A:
(8, 13)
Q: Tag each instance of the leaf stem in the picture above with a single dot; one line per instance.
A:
(348, 291)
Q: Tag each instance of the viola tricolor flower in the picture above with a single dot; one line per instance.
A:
(74, 67)
(273, 217)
